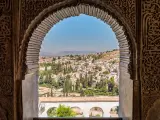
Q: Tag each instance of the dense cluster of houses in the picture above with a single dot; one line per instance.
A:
(98, 66)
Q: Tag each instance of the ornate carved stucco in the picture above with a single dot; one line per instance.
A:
(123, 11)
(40, 31)
(6, 78)
(154, 112)
(150, 72)
(5, 37)
(150, 38)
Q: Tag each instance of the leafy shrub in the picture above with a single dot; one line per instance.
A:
(98, 115)
(51, 112)
(65, 111)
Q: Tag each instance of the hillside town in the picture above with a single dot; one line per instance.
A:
(95, 74)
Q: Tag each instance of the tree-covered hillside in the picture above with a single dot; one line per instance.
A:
(80, 75)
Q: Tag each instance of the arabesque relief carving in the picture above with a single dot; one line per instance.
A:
(6, 108)
(5, 57)
(5, 5)
(149, 102)
(154, 112)
(5, 42)
(5, 38)
(6, 78)
(126, 9)
(151, 25)
(6, 89)
(150, 54)
(123, 10)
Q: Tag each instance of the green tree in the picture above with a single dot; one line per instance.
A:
(65, 111)
(53, 84)
(67, 86)
(77, 85)
(115, 90)
(79, 58)
(98, 115)
(111, 84)
(90, 80)
(106, 72)
(51, 112)
(53, 59)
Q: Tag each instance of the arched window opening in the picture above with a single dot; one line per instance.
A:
(77, 111)
(63, 87)
(114, 111)
(96, 112)
(79, 60)
(51, 112)
(41, 108)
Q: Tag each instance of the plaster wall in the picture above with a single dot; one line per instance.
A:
(30, 96)
(84, 106)
(125, 95)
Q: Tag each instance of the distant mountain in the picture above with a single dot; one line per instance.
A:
(63, 53)
(46, 54)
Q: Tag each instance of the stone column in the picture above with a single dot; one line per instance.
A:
(30, 96)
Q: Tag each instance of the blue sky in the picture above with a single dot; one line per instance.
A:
(81, 33)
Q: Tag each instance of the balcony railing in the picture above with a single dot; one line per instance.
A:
(77, 118)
